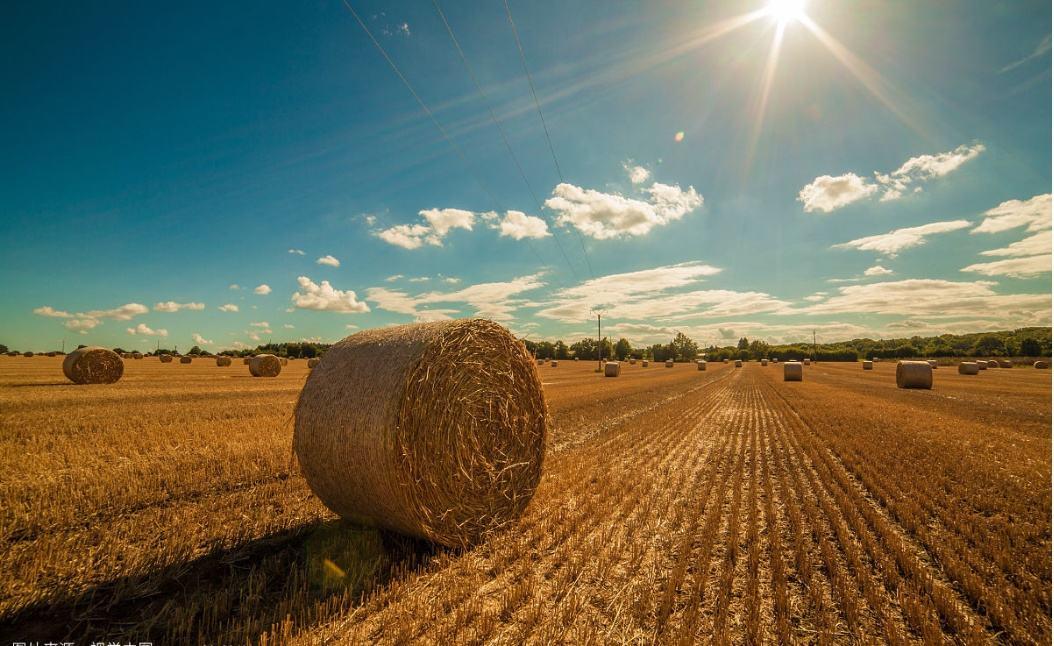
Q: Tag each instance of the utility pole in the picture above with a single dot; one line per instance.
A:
(814, 344)
(600, 366)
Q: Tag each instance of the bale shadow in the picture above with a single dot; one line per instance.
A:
(230, 595)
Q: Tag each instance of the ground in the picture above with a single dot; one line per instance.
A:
(675, 506)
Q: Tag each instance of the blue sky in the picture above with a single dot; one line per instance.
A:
(228, 174)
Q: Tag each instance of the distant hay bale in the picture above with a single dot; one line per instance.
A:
(137, 355)
(612, 369)
(764, 362)
(914, 374)
(285, 362)
(185, 359)
(311, 363)
(992, 364)
(1006, 363)
(265, 365)
(739, 363)
(126, 355)
(792, 371)
(968, 368)
(12, 353)
(540, 362)
(669, 363)
(50, 354)
(1041, 365)
(643, 363)
(933, 363)
(868, 364)
(27, 354)
(165, 358)
(700, 365)
(553, 363)
(93, 365)
(576, 358)
(632, 361)
(981, 365)
(223, 362)
(724, 361)
(436, 430)
(807, 361)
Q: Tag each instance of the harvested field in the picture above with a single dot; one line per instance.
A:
(675, 506)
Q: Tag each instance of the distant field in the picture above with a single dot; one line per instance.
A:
(675, 506)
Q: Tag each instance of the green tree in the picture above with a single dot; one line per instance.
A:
(560, 350)
(623, 349)
(989, 345)
(1031, 348)
(743, 344)
(195, 350)
(684, 348)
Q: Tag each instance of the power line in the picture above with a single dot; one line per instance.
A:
(497, 124)
(545, 127)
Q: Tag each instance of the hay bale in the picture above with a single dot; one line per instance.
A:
(27, 354)
(669, 363)
(126, 355)
(93, 365)
(552, 364)
(1005, 363)
(632, 361)
(700, 365)
(612, 369)
(968, 368)
(914, 374)
(981, 365)
(245, 361)
(792, 371)
(12, 353)
(540, 362)
(49, 354)
(764, 362)
(265, 365)
(185, 359)
(868, 364)
(643, 363)
(285, 362)
(223, 362)
(1041, 365)
(739, 364)
(933, 363)
(311, 363)
(165, 358)
(807, 361)
(724, 361)
(137, 355)
(436, 430)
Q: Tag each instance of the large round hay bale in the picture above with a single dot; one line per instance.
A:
(643, 363)
(739, 363)
(552, 364)
(265, 365)
(914, 374)
(27, 354)
(312, 362)
(792, 371)
(223, 362)
(93, 365)
(612, 369)
(700, 365)
(868, 365)
(166, 358)
(1041, 365)
(968, 368)
(669, 363)
(436, 430)
(185, 359)
(1006, 363)
(993, 364)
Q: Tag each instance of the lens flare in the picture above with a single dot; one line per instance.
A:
(679, 137)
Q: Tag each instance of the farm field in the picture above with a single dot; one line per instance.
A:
(676, 506)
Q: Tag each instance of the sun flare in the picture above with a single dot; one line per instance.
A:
(785, 11)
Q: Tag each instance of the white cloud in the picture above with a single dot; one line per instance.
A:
(490, 300)
(239, 345)
(262, 290)
(48, 310)
(351, 326)
(143, 330)
(409, 236)
(450, 280)
(439, 224)
(200, 340)
(328, 260)
(260, 324)
(298, 252)
(637, 174)
(419, 279)
(518, 225)
(228, 307)
(1026, 267)
(324, 297)
(1034, 214)
(1033, 245)
(288, 326)
(877, 270)
(816, 296)
(826, 193)
(610, 215)
(123, 313)
(892, 243)
(1039, 51)
(234, 286)
(393, 278)
(172, 306)
(81, 325)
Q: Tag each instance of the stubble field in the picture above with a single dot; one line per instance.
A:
(676, 506)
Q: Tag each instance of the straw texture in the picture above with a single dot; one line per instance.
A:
(435, 430)
(792, 371)
(968, 368)
(933, 363)
(223, 362)
(312, 362)
(1041, 365)
(613, 368)
(1005, 363)
(982, 365)
(93, 365)
(185, 359)
(643, 363)
(165, 358)
(265, 365)
(914, 374)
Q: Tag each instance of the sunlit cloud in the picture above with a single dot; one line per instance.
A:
(892, 243)
(172, 306)
(605, 216)
(324, 297)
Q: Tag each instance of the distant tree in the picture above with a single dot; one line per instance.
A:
(684, 348)
(623, 349)
(743, 344)
(989, 345)
(195, 350)
(906, 350)
(560, 350)
(3, 349)
(1029, 348)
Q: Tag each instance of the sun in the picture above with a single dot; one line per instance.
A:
(785, 11)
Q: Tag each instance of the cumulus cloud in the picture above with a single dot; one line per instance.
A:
(610, 215)
(877, 270)
(324, 297)
(228, 307)
(200, 340)
(263, 289)
(172, 306)
(328, 260)
(518, 225)
(144, 330)
(393, 278)
(1033, 245)
(439, 222)
(48, 310)
(892, 243)
(287, 326)
(419, 279)
(637, 174)
(84, 321)
(827, 193)
(125, 312)
(81, 325)
(495, 300)
(1033, 214)
(260, 324)
(298, 252)
(1027, 267)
